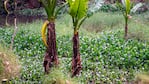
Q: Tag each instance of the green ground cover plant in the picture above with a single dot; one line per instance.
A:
(58, 77)
(106, 56)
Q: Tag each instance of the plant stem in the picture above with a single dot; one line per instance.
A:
(76, 61)
(51, 57)
(126, 27)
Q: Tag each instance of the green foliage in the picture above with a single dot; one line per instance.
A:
(49, 6)
(56, 76)
(32, 12)
(78, 11)
(109, 8)
(103, 21)
(106, 57)
(139, 31)
(78, 8)
(127, 8)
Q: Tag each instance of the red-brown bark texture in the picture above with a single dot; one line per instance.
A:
(51, 57)
(126, 31)
(76, 61)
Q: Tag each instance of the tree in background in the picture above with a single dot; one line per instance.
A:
(49, 40)
(125, 7)
(78, 12)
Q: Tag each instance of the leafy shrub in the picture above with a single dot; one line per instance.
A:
(109, 8)
(32, 12)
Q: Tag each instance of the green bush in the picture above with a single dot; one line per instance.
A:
(32, 12)
(109, 8)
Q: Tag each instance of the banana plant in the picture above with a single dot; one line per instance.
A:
(125, 7)
(78, 11)
(49, 38)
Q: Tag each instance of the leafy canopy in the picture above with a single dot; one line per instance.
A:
(50, 7)
(78, 11)
(127, 7)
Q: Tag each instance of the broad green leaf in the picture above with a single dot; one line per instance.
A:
(78, 8)
(128, 6)
(82, 9)
(49, 6)
(73, 8)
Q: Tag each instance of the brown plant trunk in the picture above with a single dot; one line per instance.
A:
(51, 57)
(126, 30)
(76, 61)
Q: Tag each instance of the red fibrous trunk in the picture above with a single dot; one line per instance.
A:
(51, 57)
(126, 28)
(126, 31)
(76, 61)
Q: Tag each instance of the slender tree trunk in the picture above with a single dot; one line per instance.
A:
(126, 28)
(15, 25)
(51, 57)
(14, 33)
(76, 61)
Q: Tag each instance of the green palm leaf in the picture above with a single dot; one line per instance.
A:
(128, 6)
(78, 8)
(49, 6)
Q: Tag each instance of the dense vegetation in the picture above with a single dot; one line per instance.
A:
(106, 56)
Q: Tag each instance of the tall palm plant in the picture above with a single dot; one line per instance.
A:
(49, 39)
(78, 12)
(125, 7)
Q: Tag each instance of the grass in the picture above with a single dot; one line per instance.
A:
(56, 76)
(139, 31)
(106, 56)
(9, 64)
(1, 67)
(103, 21)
